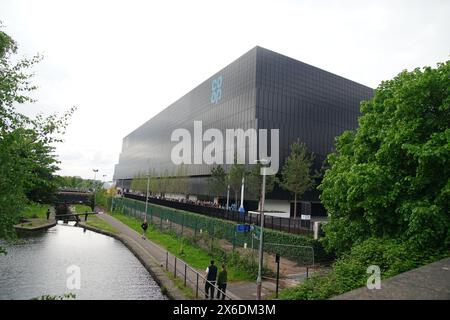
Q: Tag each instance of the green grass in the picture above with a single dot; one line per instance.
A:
(98, 223)
(188, 292)
(35, 210)
(81, 208)
(34, 223)
(194, 256)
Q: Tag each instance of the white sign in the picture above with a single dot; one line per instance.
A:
(306, 217)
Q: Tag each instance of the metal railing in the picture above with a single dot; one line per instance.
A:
(180, 269)
(192, 277)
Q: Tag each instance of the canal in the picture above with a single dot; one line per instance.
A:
(45, 263)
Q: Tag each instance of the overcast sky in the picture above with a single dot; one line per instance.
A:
(122, 62)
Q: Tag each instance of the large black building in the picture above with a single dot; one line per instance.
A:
(262, 90)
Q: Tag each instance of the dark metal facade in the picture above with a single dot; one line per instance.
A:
(261, 89)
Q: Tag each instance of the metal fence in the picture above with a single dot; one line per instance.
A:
(176, 266)
(290, 225)
(192, 278)
(208, 232)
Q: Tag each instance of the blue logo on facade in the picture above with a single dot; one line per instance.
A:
(216, 89)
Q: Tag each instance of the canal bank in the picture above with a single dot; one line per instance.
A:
(150, 263)
(67, 259)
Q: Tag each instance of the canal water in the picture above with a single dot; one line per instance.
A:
(48, 263)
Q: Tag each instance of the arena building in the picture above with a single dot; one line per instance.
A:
(260, 90)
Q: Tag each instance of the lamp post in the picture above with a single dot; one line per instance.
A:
(95, 175)
(241, 207)
(146, 198)
(264, 162)
(228, 197)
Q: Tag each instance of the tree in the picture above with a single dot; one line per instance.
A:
(237, 172)
(27, 159)
(154, 184)
(218, 181)
(163, 183)
(139, 182)
(390, 177)
(180, 181)
(296, 174)
(254, 182)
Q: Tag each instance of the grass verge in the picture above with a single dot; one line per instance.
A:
(81, 208)
(98, 223)
(188, 292)
(197, 257)
(35, 210)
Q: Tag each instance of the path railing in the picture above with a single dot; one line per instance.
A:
(192, 277)
(180, 269)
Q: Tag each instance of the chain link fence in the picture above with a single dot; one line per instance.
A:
(208, 231)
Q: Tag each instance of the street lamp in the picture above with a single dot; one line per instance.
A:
(264, 163)
(146, 198)
(228, 197)
(241, 207)
(95, 175)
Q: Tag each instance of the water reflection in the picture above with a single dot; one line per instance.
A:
(37, 265)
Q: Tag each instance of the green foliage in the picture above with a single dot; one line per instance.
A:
(254, 181)
(217, 183)
(295, 247)
(139, 182)
(237, 172)
(222, 229)
(387, 191)
(184, 248)
(66, 296)
(296, 172)
(180, 184)
(27, 159)
(79, 183)
(350, 271)
(35, 210)
(390, 178)
(101, 198)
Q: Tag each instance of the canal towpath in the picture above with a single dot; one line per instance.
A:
(153, 254)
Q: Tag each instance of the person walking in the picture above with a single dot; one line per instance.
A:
(222, 282)
(211, 275)
(144, 227)
(48, 214)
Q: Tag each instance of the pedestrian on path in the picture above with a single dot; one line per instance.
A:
(48, 214)
(211, 275)
(144, 227)
(222, 282)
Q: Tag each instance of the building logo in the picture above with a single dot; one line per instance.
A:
(216, 89)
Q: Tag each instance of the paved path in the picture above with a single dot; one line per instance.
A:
(430, 282)
(235, 290)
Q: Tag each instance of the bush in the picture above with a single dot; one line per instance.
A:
(350, 271)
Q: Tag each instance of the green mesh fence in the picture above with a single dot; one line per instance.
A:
(302, 249)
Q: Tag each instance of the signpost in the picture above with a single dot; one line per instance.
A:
(242, 228)
(277, 260)
(306, 217)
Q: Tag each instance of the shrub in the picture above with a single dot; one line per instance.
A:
(350, 271)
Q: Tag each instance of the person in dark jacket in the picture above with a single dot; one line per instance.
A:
(144, 227)
(222, 282)
(211, 275)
